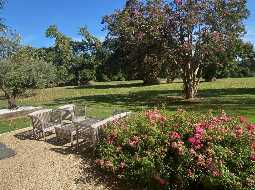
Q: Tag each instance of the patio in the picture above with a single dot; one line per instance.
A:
(47, 165)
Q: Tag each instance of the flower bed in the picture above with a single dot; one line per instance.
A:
(181, 151)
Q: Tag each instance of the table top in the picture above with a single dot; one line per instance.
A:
(85, 122)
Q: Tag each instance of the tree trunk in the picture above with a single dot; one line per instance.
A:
(78, 79)
(189, 90)
(12, 102)
(191, 80)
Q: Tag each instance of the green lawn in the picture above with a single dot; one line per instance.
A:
(235, 96)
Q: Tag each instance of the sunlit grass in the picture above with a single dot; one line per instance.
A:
(235, 96)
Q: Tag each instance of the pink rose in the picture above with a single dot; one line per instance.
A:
(243, 119)
(238, 131)
(175, 135)
(253, 157)
(215, 173)
(122, 166)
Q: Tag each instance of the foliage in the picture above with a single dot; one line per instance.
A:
(9, 42)
(17, 77)
(136, 32)
(76, 61)
(180, 151)
(239, 62)
(193, 33)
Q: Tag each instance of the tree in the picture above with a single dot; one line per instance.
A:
(76, 61)
(239, 61)
(191, 32)
(245, 56)
(87, 55)
(62, 54)
(204, 29)
(17, 77)
(2, 25)
(137, 30)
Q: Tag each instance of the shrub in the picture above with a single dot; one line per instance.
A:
(181, 151)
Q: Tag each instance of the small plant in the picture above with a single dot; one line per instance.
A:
(181, 151)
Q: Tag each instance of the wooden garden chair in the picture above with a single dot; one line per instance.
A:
(44, 121)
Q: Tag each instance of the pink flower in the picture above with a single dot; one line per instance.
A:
(99, 162)
(133, 142)
(238, 131)
(243, 119)
(175, 135)
(253, 146)
(214, 121)
(200, 160)
(111, 138)
(215, 173)
(122, 166)
(223, 117)
(196, 143)
(251, 128)
(199, 130)
(155, 116)
(192, 151)
(253, 157)
(192, 140)
(189, 172)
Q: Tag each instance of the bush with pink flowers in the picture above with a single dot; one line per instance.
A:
(181, 151)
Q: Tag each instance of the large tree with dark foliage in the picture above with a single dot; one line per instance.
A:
(137, 31)
(190, 32)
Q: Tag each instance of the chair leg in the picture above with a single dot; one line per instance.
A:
(71, 140)
(77, 140)
(34, 133)
(44, 136)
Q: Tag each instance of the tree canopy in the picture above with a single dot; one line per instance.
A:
(188, 32)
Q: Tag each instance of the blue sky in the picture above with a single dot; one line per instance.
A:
(30, 18)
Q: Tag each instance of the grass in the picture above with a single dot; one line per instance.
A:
(235, 96)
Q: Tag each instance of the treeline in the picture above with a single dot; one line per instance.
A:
(78, 62)
(136, 47)
(147, 40)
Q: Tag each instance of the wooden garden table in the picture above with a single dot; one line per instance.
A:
(81, 125)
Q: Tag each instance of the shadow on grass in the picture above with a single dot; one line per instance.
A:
(2, 98)
(124, 85)
(236, 98)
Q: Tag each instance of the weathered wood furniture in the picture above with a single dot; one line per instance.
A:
(20, 112)
(70, 112)
(44, 121)
(69, 115)
(75, 129)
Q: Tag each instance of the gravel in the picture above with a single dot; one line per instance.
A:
(45, 165)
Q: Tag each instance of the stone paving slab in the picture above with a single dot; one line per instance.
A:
(6, 152)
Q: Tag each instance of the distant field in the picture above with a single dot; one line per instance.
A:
(235, 96)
